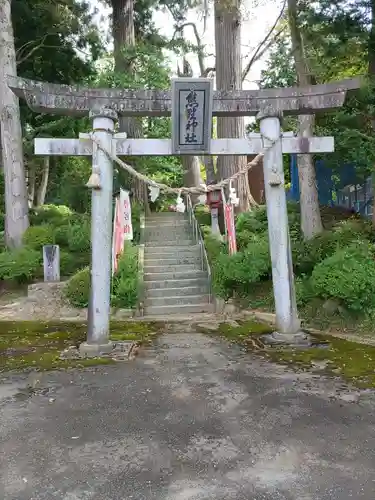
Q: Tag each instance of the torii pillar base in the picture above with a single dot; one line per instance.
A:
(299, 339)
(87, 350)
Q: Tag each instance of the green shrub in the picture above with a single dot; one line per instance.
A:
(70, 263)
(37, 236)
(54, 214)
(74, 234)
(79, 237)
(2, 222)
(21, 265)
(61, 234)
(203, 215)
(214, 246)
(307, 254)
(254, 221)
(237, 273)
(77, 289)
(2, 242)
(304, 290)
(125, 281)
(246, 238)
(124, 285)
(348, 275)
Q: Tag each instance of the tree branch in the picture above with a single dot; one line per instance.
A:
(31, 52)
(207, 71)
(265, 43)
(200, 51)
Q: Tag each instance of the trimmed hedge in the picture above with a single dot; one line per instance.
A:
(124, 283)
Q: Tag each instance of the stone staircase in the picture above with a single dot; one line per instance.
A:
(174, 279)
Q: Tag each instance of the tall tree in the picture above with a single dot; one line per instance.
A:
(191, 164)
(123, 32)
(371, 72)
(311, 221)
(16, 204)
(229, 77)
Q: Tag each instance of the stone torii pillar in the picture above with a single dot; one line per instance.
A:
(101, 184)
(101, 235)
(287, 321)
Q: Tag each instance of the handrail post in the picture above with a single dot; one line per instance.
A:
(198, 239)
(141, 253)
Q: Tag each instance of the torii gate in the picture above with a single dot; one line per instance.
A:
(104, 106)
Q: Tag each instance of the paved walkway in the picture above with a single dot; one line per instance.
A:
(191, 419)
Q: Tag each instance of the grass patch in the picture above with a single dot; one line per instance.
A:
(246, 329)
(260, 297)
(352, 361)
(42, 360)
(25, 344)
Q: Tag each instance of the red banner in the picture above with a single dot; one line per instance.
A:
(231, 228)
(117, 241)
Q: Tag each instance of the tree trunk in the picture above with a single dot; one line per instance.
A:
(42, 190)
(229, 77)
(371, 72)
(16, 206)
(210, 169)
(311, 221)
(123, 37)
(30, 181)
(371, 43)
(192, 173)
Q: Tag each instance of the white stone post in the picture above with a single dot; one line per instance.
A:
(287, 322)
(101, 237)
(51, 263)
(215, 228)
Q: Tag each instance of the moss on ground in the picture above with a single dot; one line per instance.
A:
(352, 361)
(244, 330)
(25, 344)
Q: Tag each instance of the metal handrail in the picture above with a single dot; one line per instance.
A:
(198, 238)
(141, 257)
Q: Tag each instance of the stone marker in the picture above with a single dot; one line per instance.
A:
(51, 263)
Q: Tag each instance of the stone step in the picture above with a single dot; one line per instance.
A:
(188, 309)
(171, 234)
(177, 283)
(166, 213)
(171, 269)
(170, 251)
(183, 291)
(153, 223)
(178, 275)
(168, 239)
(182, 243)
(176, 301)
(172, 260)
(161, 221)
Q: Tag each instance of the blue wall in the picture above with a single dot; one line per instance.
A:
(330, 188)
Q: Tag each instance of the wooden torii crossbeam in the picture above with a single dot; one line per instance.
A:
(79, 101)
(105, 105)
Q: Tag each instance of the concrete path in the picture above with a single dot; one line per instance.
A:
(192, 419)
